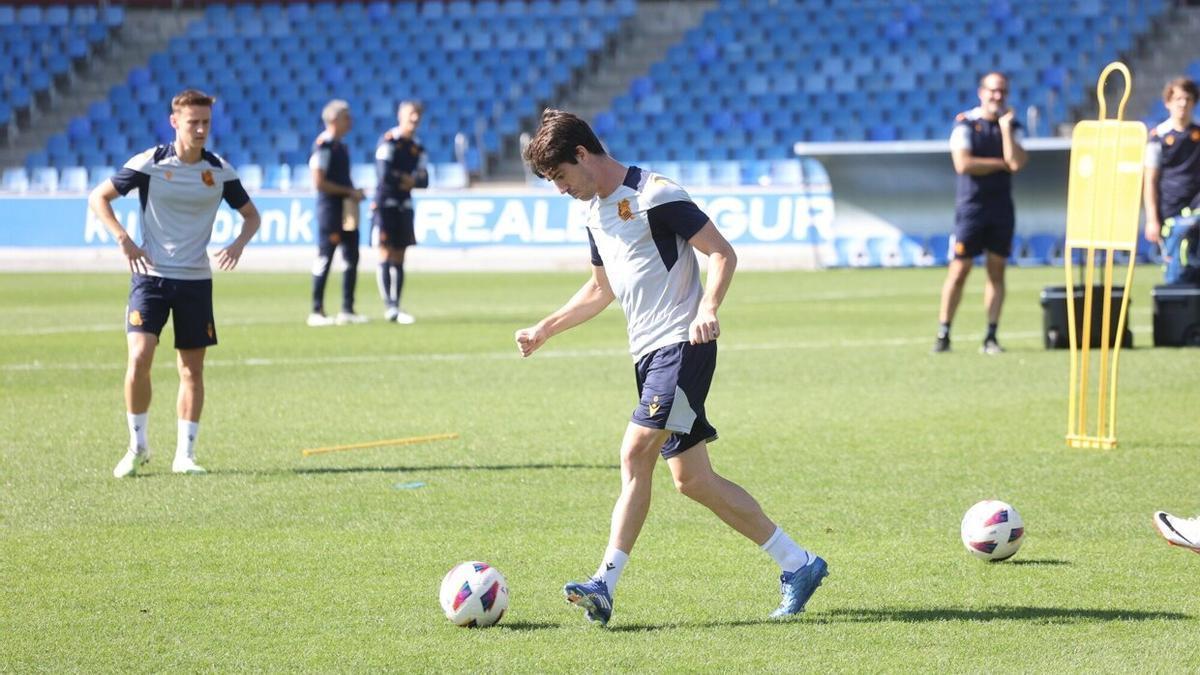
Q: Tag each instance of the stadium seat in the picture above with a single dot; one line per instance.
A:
(15, 179)
(43, 179)
(251, 176)
(451, 176)
(1042, 249)
(73, 179)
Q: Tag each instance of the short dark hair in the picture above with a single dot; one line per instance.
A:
(556, 139)
(991, 73)
(1185, 83)
(190, 97)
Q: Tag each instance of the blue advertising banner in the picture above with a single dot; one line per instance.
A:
(533, 218)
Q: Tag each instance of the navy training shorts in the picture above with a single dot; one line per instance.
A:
(187, 301)
(673, 383)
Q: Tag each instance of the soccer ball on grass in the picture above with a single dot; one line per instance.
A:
(474, 595)
(992, 530)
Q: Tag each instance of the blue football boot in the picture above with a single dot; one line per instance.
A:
(797, 587)
(593, 596)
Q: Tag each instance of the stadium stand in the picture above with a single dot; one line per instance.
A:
(756, 77)
(39, 48)
(481, 67)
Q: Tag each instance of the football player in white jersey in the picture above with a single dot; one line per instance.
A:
(644, 230)
(181, 185)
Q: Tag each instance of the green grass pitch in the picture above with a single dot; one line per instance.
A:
(831, 412)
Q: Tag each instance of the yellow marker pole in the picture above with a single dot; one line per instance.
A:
(1103, 201)
(378, 444)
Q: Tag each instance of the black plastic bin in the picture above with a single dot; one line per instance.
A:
(1176, 315)
(1054, 317)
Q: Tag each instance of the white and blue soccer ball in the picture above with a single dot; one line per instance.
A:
(474, 595)
(992, 530)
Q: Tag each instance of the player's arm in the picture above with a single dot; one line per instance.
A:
(1150, 198)
(318, 164)
(722, 261)
(1015, 156)
(588, 301)
(966, 163)
(420, 174)
(100, 203)
(228, 257)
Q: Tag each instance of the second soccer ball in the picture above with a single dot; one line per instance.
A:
(992, 530)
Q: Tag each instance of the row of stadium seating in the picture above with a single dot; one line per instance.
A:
(449, 175)
(738, 87)
(273, 67)
(283, 177)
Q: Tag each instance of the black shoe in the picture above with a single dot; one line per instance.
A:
(941, 344)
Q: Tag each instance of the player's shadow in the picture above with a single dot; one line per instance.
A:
(524, 626)
(1048, 615)
(450, 467)
(1039, 562)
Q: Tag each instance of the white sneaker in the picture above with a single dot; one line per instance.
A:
(186, 464)
(317, 319)
(347, 318)
(390, 314)
(130, 462)
(1178, 531)
(404, 318)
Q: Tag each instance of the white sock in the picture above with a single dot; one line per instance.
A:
(137, 430)
(186, 440)
(611, 567)
(786, 553)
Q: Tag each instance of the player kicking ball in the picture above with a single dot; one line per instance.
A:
(644, 231)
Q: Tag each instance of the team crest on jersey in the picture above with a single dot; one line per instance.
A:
(135, 318)
(1169, 140)
(207, 177)
(168, 174)
(414, 150)
(624, 211)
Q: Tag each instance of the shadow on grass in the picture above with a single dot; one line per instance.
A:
(1039, 562)
(525, 625)
(1059, 615)
(444, 467)
(334, 470)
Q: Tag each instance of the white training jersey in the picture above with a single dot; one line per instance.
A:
(179, 203)
(640, 234)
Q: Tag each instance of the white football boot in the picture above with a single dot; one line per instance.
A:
(1182, 532)
(131, 461)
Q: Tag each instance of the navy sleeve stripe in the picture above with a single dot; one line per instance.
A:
(596, 260)
(127, 179)
(234, 194)
(683, 218)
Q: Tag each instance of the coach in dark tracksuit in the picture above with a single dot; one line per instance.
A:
(330, 165)
(986, 148)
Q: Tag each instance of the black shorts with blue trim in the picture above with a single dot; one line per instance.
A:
(187, 301)
(395, 226)
(979, 230)
(673, 383)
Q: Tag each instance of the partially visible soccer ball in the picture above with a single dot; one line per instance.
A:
(474, 594)
(992, 530)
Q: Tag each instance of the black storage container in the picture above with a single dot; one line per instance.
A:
(1176, 315)
(1054, 316)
